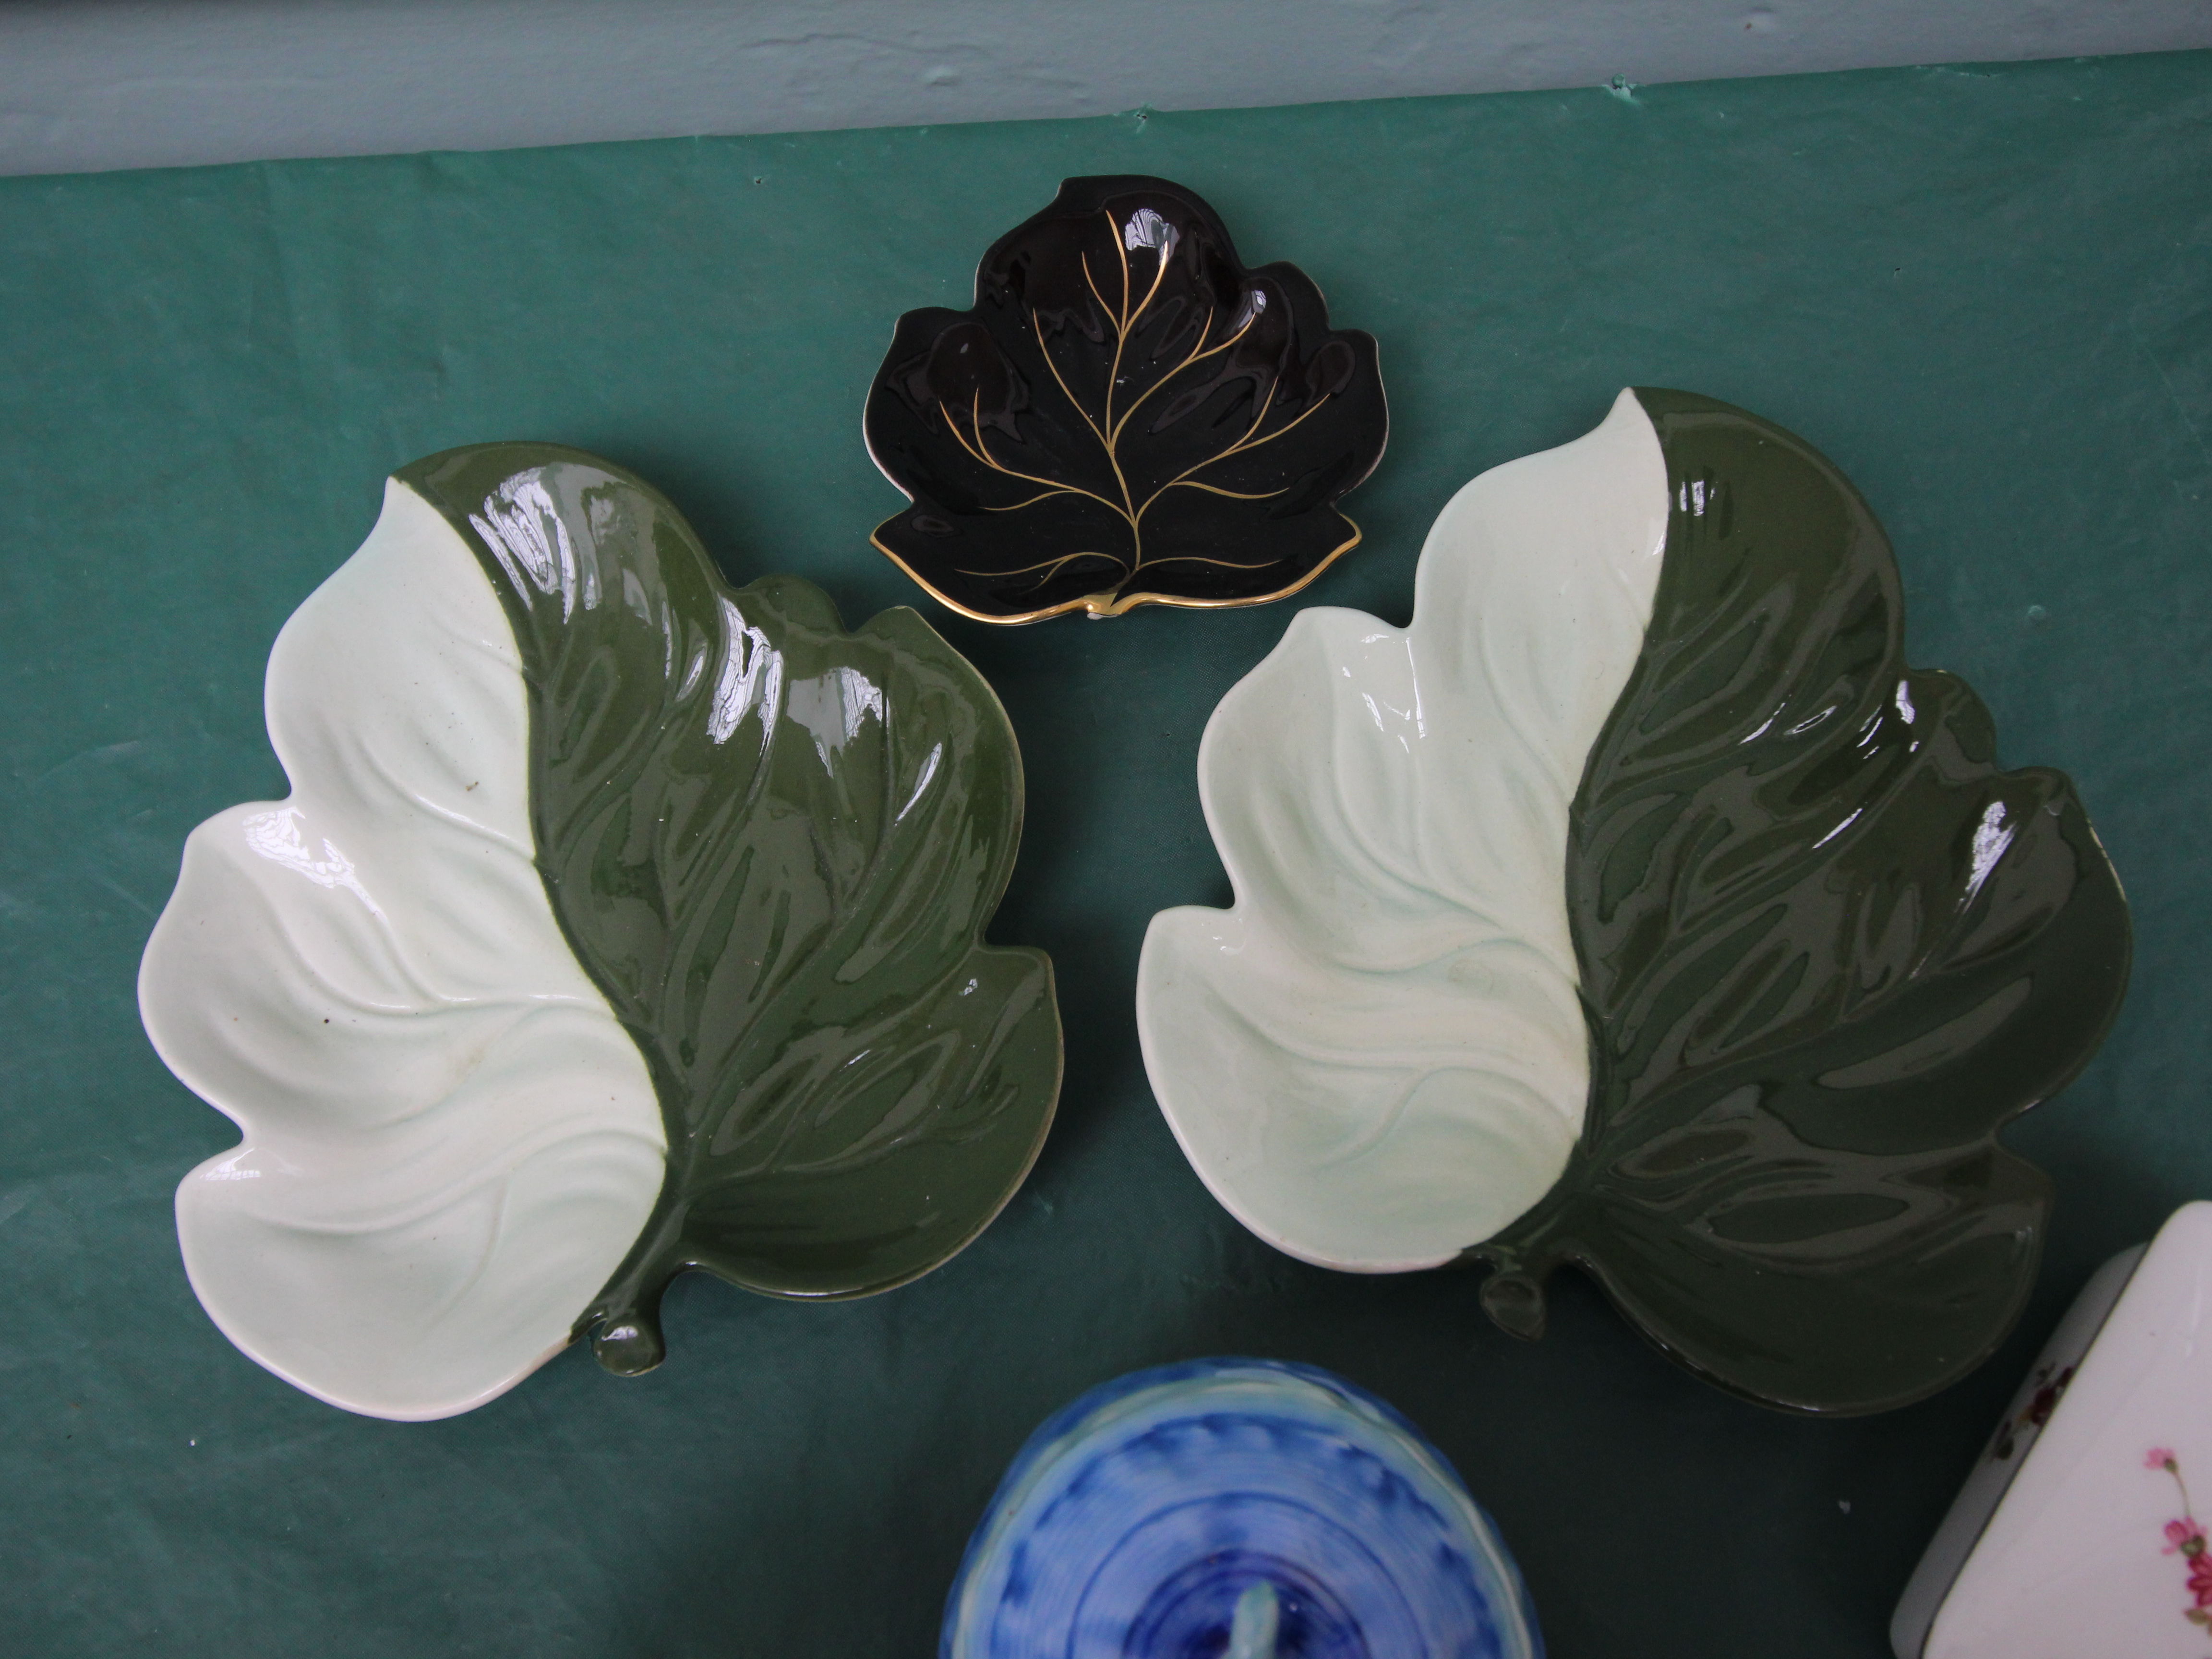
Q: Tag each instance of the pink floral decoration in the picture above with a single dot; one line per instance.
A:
(2185, 1535)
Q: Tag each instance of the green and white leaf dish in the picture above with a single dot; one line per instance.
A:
(618, 923)
(1637, 907)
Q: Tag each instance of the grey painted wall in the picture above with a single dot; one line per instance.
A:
(109, 83)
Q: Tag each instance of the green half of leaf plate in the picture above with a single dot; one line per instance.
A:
(1827, 949)
(774, 846)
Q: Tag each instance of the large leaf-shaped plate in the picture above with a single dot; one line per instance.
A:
(1126, 416)
(618, 923)
(1638, 907)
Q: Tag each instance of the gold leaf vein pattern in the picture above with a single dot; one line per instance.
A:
(1046, 485)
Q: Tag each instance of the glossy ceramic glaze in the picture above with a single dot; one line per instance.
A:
(573, 818)
(1126, 416)
(2021, 1426)
(449, 1140)
(1821, 948)
(1240, 1508)
(1378, 1055)
(2096, 1548)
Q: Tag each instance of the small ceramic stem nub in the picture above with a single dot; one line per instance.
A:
(631, 1346)
(625, 1319)
(1515, 1303)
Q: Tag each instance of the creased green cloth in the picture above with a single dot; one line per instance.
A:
(1986, 293)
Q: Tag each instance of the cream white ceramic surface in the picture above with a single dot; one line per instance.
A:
(1376, 1057)
(449, 1142)
(2046, 1382)
(2079, 1562)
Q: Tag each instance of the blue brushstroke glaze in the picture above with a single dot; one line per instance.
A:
(1235, 1508)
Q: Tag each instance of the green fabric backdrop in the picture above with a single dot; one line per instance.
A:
(1987, 293)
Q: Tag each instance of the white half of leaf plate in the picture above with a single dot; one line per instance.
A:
(449, 1142)
(1376, 1058)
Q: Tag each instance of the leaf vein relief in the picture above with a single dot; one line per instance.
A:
(1809, 948)
(447, 1138)
(617, 924)
(1795, 933)
(779, 871)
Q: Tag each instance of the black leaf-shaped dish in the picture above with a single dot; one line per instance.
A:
(1126, 416)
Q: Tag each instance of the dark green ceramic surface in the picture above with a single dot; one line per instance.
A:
(773, 845)
(1125, 415)
(1827, 949)
(1982, 292)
